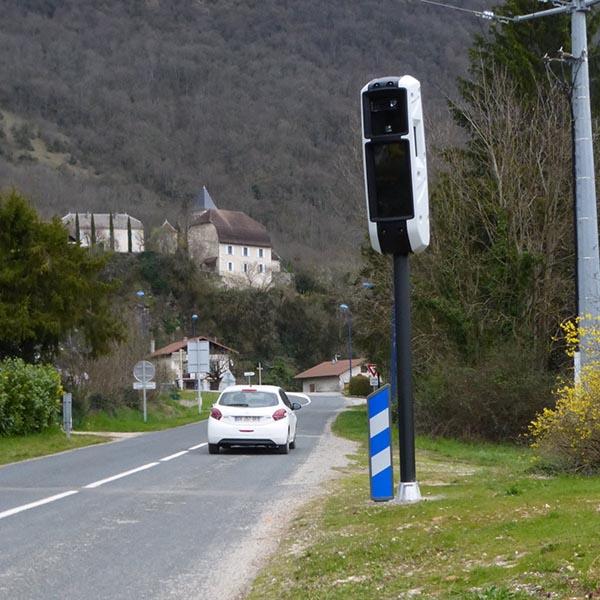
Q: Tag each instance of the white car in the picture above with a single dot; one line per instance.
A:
(260, 415)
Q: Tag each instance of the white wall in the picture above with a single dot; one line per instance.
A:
(252, 276)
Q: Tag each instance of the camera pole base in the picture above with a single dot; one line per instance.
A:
(408, 493)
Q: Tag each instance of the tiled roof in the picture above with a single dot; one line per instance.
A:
(182, 344)
(234, 227)
(329, 368)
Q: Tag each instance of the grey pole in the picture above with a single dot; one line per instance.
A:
(588, 261)
(144, 389)
(408, 490)
(350, 345)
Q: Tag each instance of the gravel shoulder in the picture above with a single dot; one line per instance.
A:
(232, 579)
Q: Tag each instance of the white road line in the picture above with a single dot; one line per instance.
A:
(176, 455)
(18, 509)
(120, 475)
(198, 446)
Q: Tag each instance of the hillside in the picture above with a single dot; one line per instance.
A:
(135, 105)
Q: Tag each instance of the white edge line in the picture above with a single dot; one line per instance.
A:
(198, 446)
(18, 509)
(176, 455)
(96, 484)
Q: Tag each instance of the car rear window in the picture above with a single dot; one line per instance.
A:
(252, 399)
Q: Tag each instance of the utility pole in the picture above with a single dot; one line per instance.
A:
(586, 218)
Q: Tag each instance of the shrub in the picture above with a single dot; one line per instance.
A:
(494, 400)
(359, 386)
(567, 437)
(30, 397)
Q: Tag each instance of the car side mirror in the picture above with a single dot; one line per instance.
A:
(296, 406)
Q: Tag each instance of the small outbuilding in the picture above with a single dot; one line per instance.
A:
(330, 376)
(173, 359)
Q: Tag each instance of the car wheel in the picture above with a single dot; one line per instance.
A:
(293, 444)
(213, 448)
(284, 448)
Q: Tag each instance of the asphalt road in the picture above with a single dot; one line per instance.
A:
(145, 517)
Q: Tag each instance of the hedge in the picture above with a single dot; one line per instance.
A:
(30, 397)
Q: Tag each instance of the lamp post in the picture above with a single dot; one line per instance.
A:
(346, 309)
(198, 391)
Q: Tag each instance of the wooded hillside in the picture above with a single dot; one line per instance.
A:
(135, 105)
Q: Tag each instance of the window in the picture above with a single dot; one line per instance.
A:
(285, 399)
(249, 398)
(245, 267)
(261, 268)
(261, 253)
(230, 266)
(245, 251)
(230, 250)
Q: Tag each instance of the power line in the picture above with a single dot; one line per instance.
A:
(486, 14)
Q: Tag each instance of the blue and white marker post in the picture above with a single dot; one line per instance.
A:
(381, 473)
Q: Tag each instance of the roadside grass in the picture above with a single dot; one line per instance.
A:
(16, 448)
(492, 528)
(162, 414)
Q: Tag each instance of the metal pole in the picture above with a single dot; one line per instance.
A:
(199, 391)
(259, 374)
(408, 490)
(588, 261)
(350, 345)
(144, 388)
(394, 357)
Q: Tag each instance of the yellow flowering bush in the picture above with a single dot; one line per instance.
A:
(567, 437)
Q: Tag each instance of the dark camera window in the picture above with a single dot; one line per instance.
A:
(390, 184)
(388, 113)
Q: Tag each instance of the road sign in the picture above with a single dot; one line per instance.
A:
(374, 381)
(144, 371)
(249, 373)
(372, 368)
(381, 473)
(198, 356)
(144, 385)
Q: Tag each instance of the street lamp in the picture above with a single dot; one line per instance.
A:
(346, 309)
(194, 319)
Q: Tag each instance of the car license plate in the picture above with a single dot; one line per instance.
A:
(247, 419)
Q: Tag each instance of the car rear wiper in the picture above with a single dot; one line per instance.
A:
(236, 405)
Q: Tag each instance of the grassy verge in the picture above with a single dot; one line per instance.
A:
(492, 528)
(13, 449)
(164, 414)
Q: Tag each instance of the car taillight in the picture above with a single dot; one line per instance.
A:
(215, 413)
(279, 414)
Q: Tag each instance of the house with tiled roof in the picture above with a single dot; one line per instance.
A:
(112, 231)
(173, 359)
(331, 375)
(231, 244)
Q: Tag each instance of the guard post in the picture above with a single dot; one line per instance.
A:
(381, 473)
(67, 413)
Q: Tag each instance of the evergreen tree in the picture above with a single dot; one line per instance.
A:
(129, 236)
(92, 231)
(77, 230)
(111, 231)
(48, 287)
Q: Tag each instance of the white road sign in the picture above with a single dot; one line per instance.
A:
(198, 356)
(144, 385)
(144, 371)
